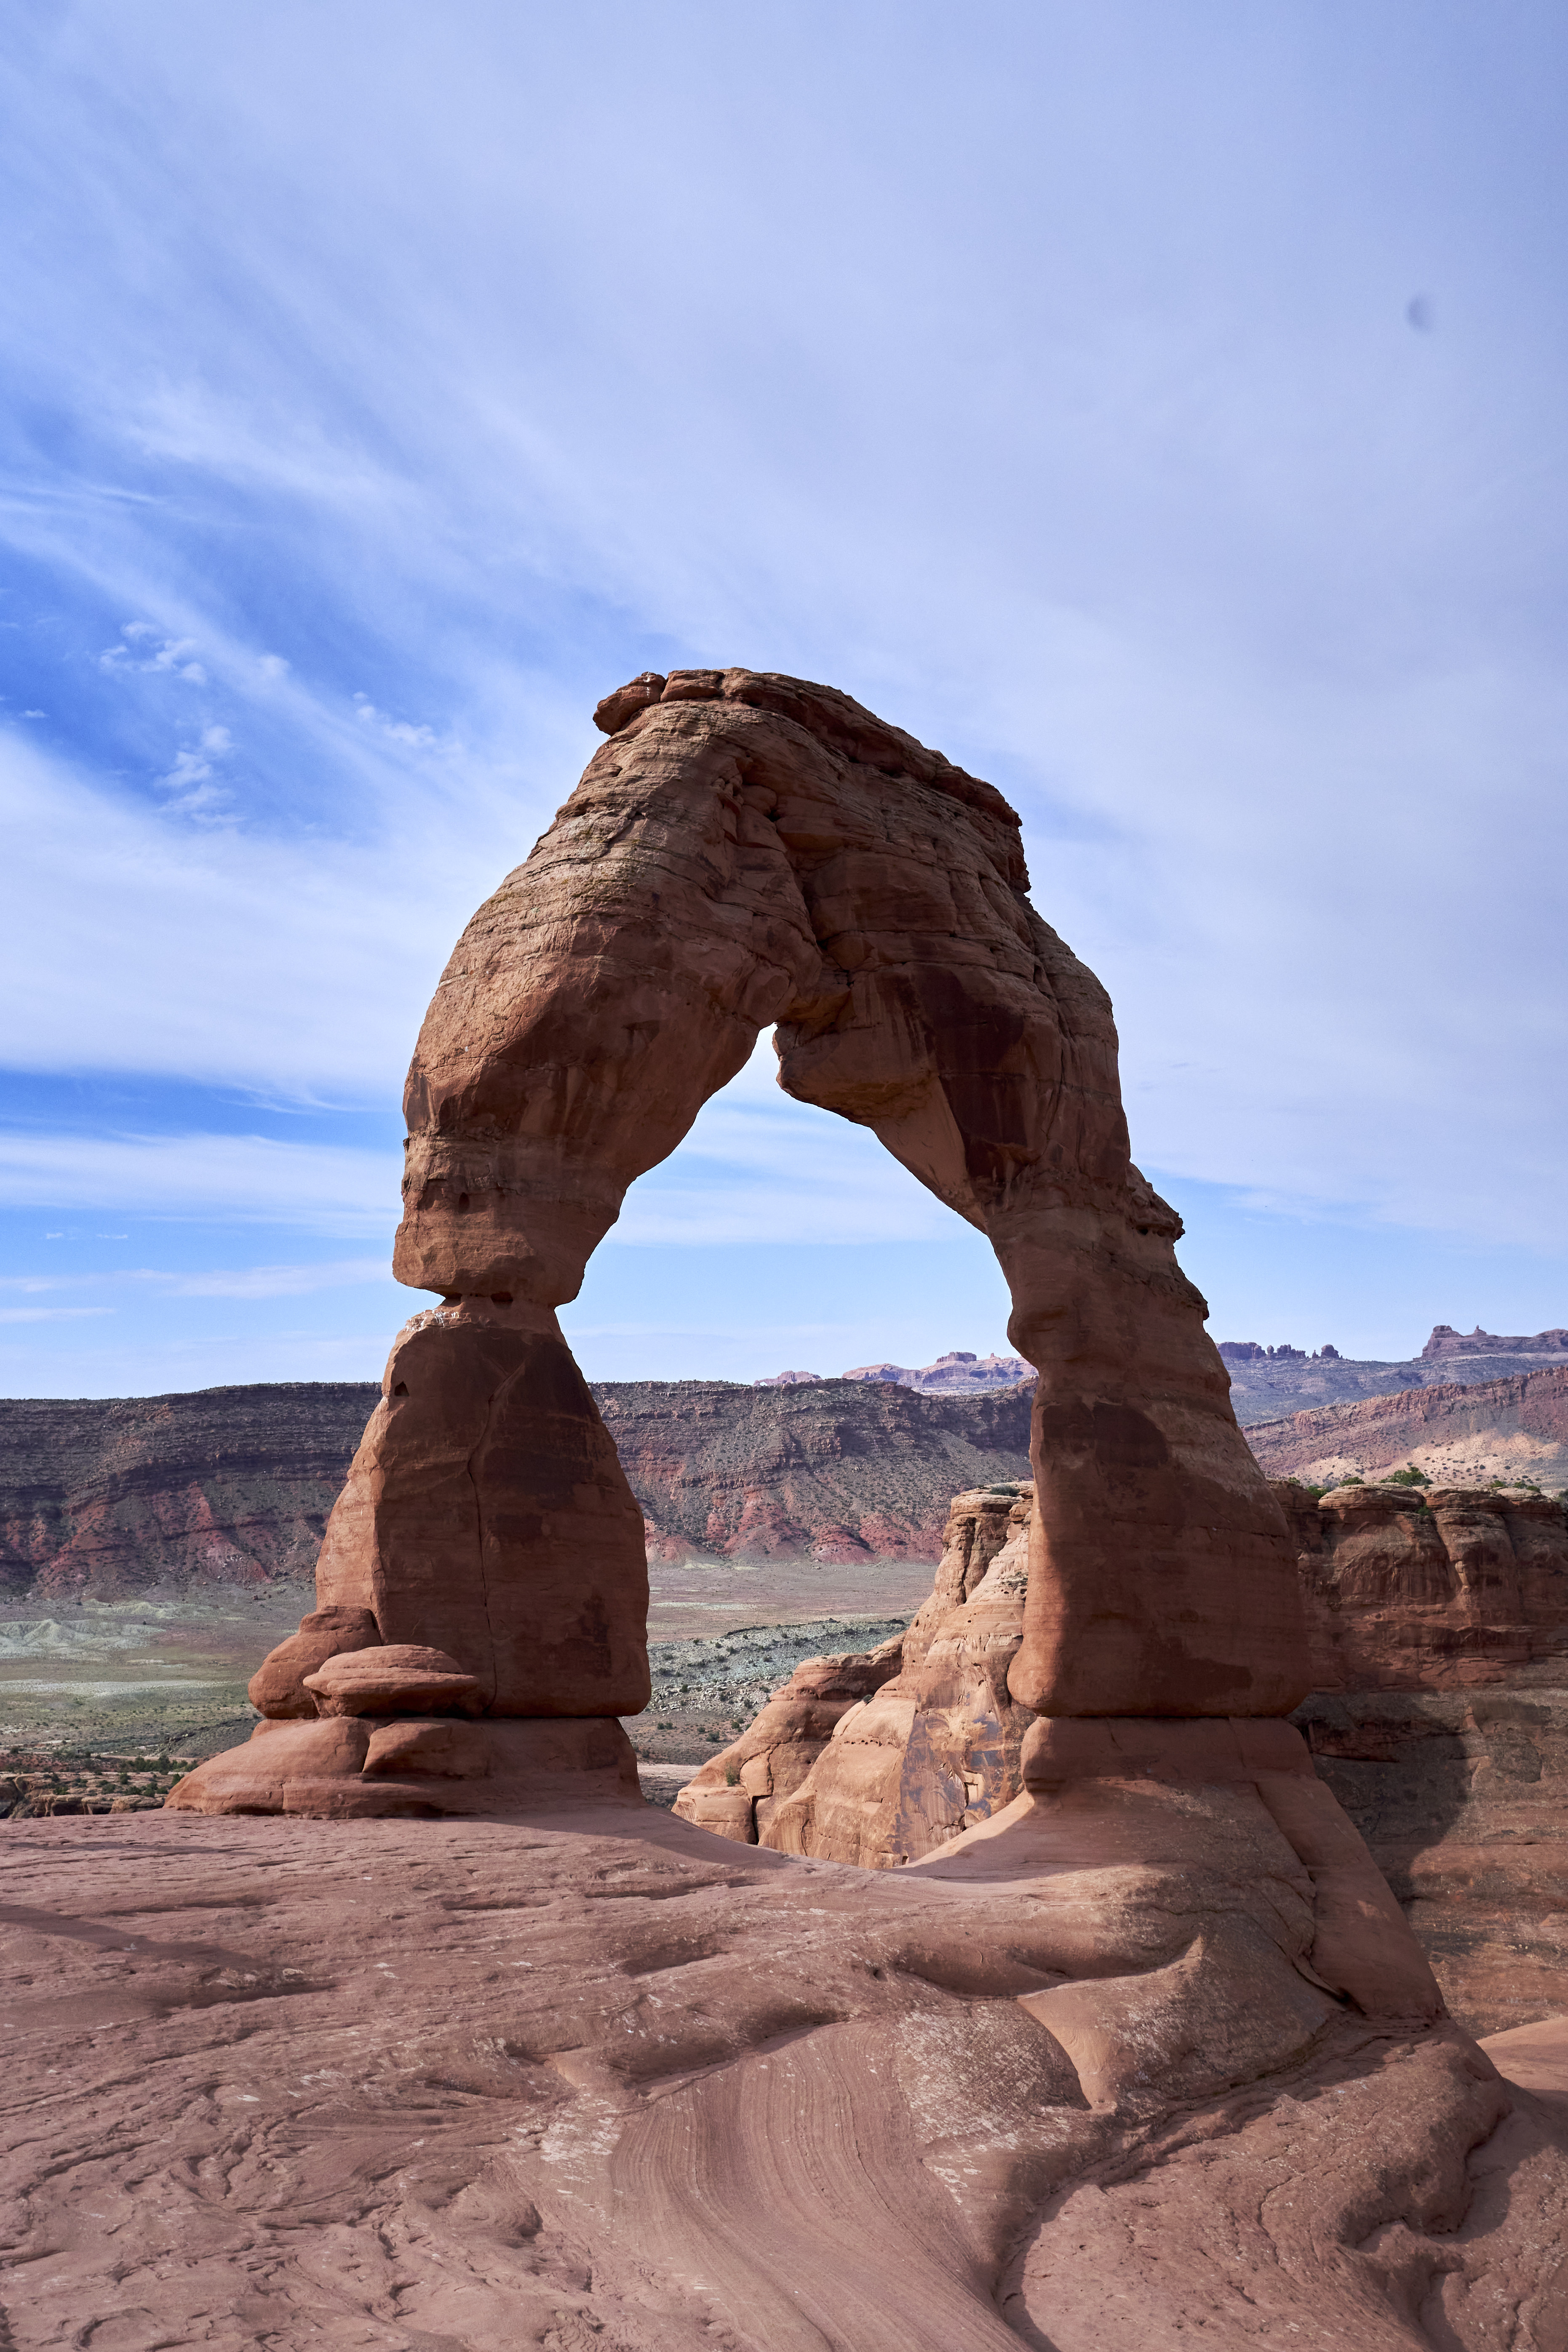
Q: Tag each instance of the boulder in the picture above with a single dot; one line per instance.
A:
(397, 1679)
(278, 1687)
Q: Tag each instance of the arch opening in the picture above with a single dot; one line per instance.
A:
(747, 849)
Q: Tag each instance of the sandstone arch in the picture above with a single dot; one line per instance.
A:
(748, 849)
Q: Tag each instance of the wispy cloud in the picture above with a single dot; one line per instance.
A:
(248, 1178)
(1180, 453)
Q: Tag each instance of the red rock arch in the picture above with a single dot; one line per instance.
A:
(748, 849)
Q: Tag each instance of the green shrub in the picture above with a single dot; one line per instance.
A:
(1408, 1476)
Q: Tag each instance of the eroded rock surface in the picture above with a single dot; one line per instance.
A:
(1434, 1589)
(590, 2077)
(750, 849)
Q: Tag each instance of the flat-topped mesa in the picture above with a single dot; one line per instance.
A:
(748, 851)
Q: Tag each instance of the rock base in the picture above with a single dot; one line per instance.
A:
(360, 1767)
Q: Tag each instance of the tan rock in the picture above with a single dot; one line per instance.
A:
(742, 1788)
(751, 849)
(395, 1678)
(938, 1747)
(278, 1687)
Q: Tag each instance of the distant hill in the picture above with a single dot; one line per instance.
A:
(104, 1498)
(1461, 1434)
(1269, 1382)
(954, 1374)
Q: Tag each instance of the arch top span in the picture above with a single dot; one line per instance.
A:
(747, 849)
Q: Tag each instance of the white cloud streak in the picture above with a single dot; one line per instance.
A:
(1105, 454)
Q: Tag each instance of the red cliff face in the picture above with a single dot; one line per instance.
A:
(1460, 1433)
(103, 1498)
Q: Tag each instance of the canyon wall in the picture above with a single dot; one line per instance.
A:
(1458, 1433)
(104, 1497)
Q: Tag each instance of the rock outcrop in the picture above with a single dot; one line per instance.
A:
(836, 1471)
(106, 1498)
(739, 1793)
(750, 849)
(926, 1740)
(1467, 1434)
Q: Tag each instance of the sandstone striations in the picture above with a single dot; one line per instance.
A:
(109, 1496)
(836, 1471)
(1470, 1433)
(103, 1499)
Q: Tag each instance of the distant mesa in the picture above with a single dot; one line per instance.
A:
(958, 1373)
(1446, 1341)
(1247, 1351)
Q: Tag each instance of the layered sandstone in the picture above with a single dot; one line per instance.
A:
(836, 1471)
(751, 850)
(106, 1498)
(1469, 1433)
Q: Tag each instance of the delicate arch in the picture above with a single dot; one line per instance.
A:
(748, 849)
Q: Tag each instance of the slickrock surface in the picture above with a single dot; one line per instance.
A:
(750, 849)
(593, 2078)
(1468, 1434)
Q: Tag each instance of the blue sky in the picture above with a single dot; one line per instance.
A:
(1161, 410)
